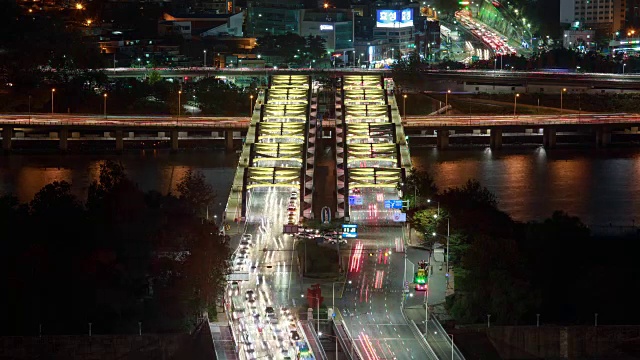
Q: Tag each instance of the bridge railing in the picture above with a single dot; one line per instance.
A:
(441, 330)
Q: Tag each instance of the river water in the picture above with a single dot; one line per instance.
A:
(600, 186)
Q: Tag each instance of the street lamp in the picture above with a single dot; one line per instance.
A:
(205, 57)
(335, 337)
(446, 102)
(105, 105)
(52, 92)
(404, 106)
(448, 233)
(179, 104)
(623, 66)
(251, 105)
(561, 92)
(515, 103)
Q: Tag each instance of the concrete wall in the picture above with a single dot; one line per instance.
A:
(563, 342)
(157, 347)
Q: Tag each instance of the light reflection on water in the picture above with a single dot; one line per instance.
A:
(24, 175)
(599, 186)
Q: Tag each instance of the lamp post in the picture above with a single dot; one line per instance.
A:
(561, 104)
(250, 105)
(451, 335)
(446, 102)
(515, 103)
(179, 106)
(29, 109)
(335, 337)
(105, 105)
(448, 235)
(623, 66)
(205, 58)
(52, 92)
(404, 106)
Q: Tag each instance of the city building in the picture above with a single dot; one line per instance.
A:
(396, 26)
(275, 17)
(581, 40)
(188, 25)
(604, 16)
(335, 26)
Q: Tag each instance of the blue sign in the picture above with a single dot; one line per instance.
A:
(350, 231)
(393, 204)
(355, 200)
(394, 18)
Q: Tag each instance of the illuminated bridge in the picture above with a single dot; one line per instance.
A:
(270, 195)
(372, 153)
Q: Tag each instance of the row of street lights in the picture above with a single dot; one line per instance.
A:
(446, 103)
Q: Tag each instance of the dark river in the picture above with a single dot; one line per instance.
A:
(599, 186)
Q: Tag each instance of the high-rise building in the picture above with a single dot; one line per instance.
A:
(604, 16)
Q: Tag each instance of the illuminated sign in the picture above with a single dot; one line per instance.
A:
(394, 18)
(349, 231)
(326, 27)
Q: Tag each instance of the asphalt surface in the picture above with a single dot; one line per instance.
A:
(273, 278)
(371, 301)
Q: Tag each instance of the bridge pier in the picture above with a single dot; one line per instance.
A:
(443, 138)
(64, 139)
(495, 139)
(603, 137)
(549, 137)
(7, 133)
(174, 140)
(228, 140)
(119, 140)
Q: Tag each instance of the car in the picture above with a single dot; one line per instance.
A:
(247, 237)
(294, 194)
(249, 294)
(291, 208)
(244, 243)
(295, 336)
(270, 311)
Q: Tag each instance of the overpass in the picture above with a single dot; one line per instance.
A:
(496, 77)
(65, 128)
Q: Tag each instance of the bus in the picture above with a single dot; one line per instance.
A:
(237, 306)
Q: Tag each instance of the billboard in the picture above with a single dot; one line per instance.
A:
(394, 18)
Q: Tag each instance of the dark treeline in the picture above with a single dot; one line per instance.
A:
(122, 257)
(514, 270)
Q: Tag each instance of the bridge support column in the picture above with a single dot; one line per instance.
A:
(443, 138)
(549, 137)
(603, 137)
(119, 140)
(495, 139)
(64, 139)
(7, 133)
(228, 140)
(174, 140)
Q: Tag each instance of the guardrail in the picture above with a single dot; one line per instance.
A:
(320, 354)
(423, 341)
(442, 331)
(348, 343)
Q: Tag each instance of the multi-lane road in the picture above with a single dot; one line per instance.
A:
(243, 122)
(264, 318)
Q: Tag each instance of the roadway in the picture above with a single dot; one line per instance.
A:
(272, 278)
(589, 80)
(125, 121)
(371, 302)
(236, 123)
(476, 121)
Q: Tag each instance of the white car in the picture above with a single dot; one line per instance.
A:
(246, 237)
(294, 194)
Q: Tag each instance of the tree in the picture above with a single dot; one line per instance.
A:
(195, 191)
